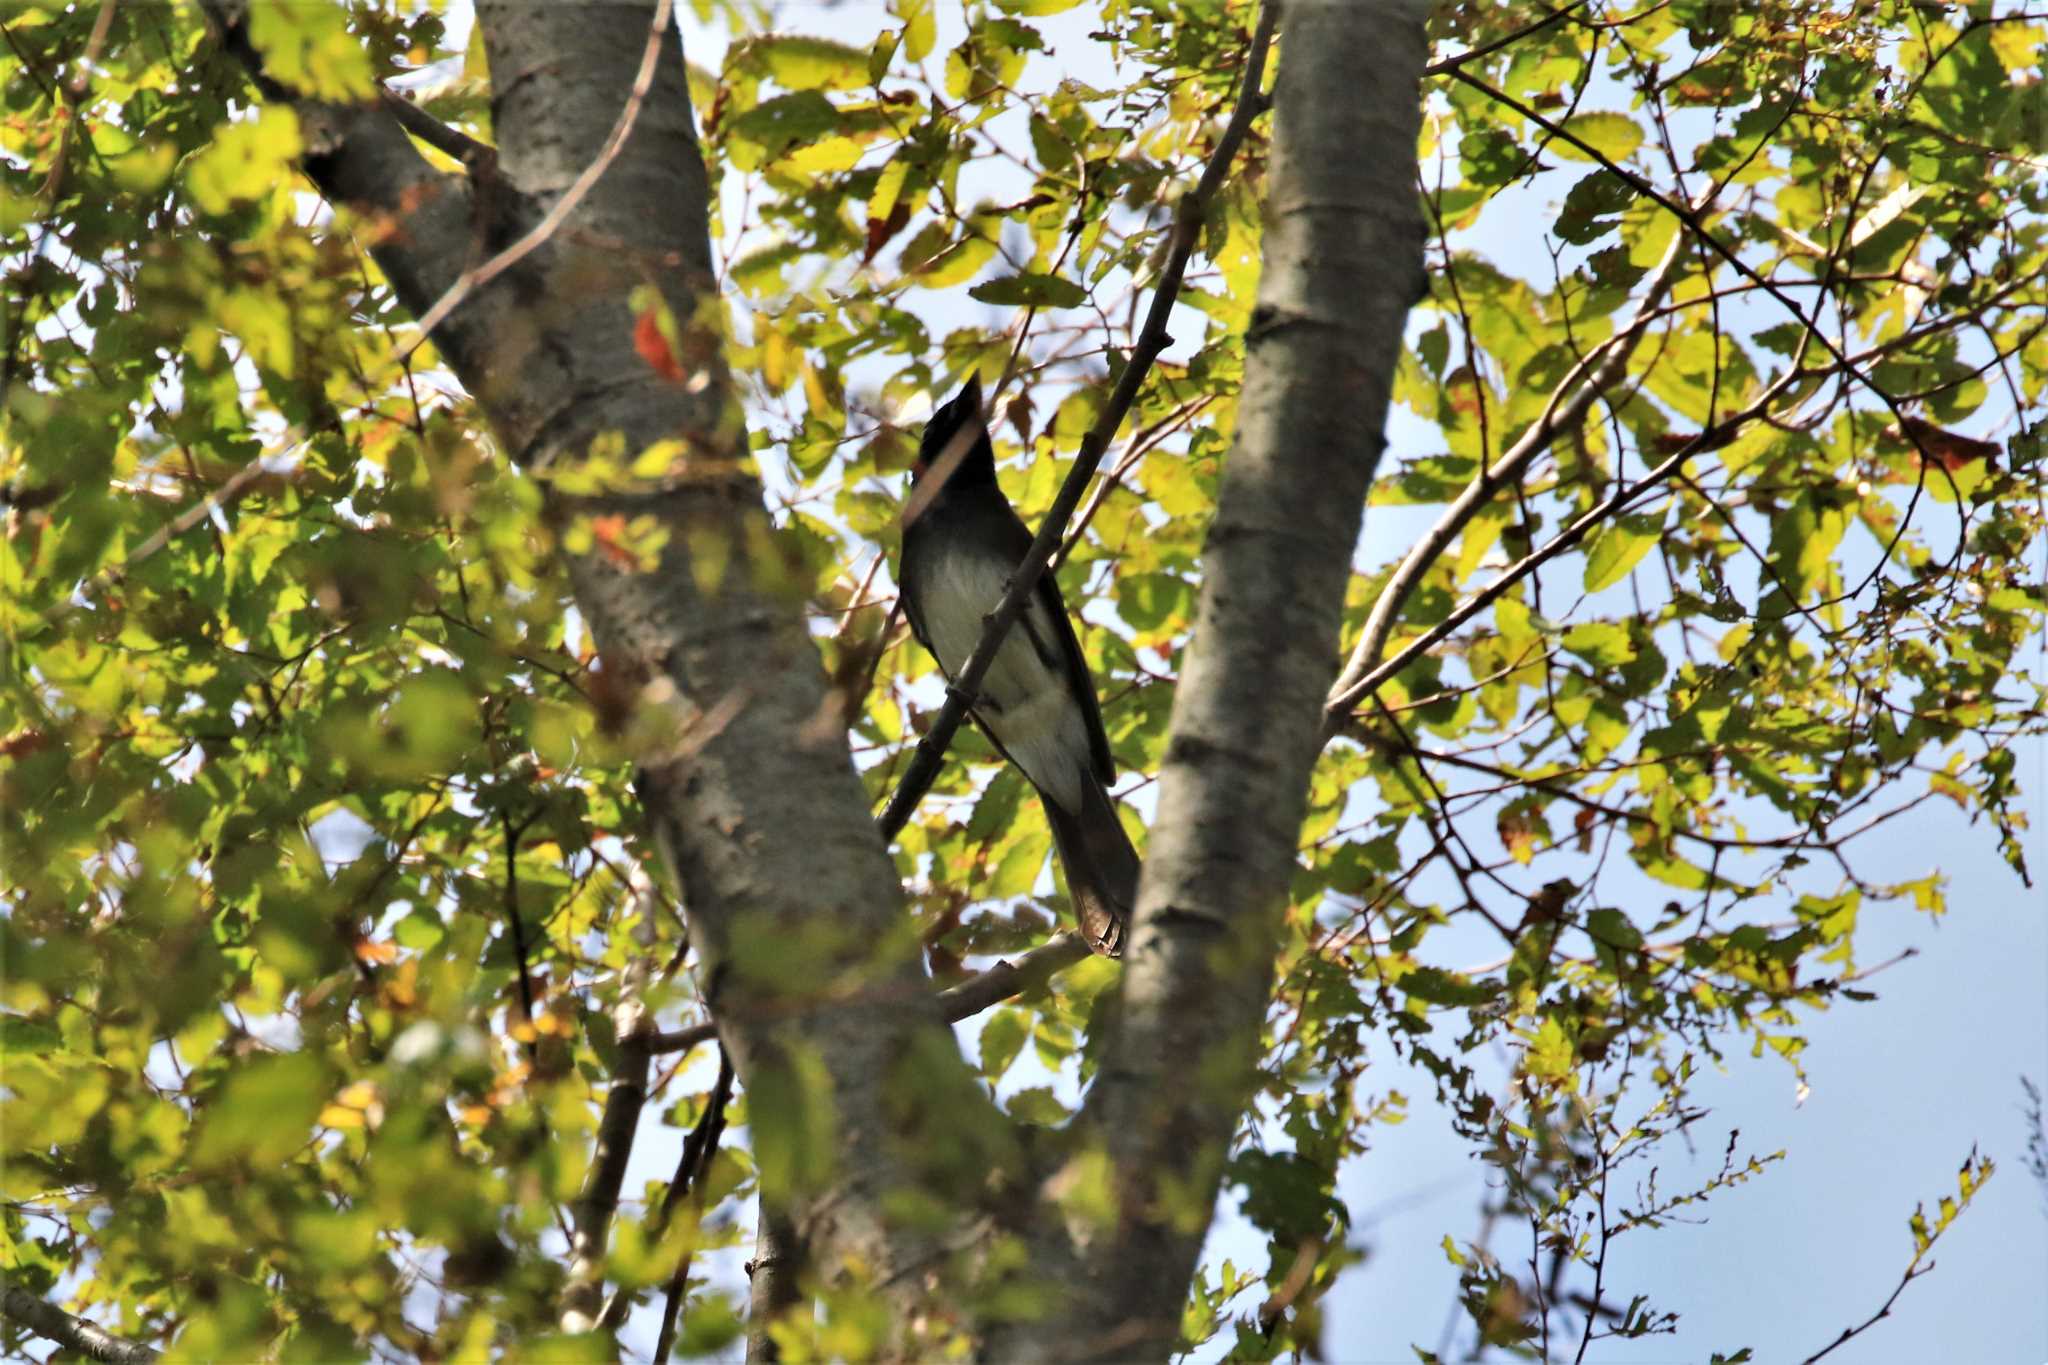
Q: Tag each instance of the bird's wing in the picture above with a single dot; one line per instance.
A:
(1079, 680)
(1051, 630)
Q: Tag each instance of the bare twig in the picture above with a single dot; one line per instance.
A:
(1450, 64)
(1692, 220)
(1152, 339)
(1298, 1275)
(1557, 545)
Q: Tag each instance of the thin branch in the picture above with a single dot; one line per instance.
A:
(1152, 339)
(162, 536)
(690, 1169)
(513, 833)
(1925, 1237)
(1006, 979)
(1564, 540)
(482, 274)
(962, 1001)
(1450, 64)
(74, 1333)
(681, 1039)
(1592, 376)
(1693, 220)
(437, 134)
(582, 1295)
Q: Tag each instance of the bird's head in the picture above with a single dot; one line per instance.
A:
(955, 444)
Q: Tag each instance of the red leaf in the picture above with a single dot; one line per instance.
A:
(880, 230)
(1951, 450)
(609, 531)
(653, 347)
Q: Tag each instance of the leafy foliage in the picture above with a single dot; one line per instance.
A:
(320, 876)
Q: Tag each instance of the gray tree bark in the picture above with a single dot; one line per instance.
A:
(73, 1333)
(1342, 265)
(856, 1089)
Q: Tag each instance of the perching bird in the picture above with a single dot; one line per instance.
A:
(1037, 701)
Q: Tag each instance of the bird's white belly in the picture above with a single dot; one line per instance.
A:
(1032, 713)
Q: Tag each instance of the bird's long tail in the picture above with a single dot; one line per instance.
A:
(1102, 867)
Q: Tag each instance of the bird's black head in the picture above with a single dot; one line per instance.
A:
(958, 420)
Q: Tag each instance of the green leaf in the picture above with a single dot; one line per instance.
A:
(1439, 987)
(246, 160)
(772, 128)
(1619, 545)
(310, 48)
(1613, 136)
(263, 1113)
(799, 62)
(1002, 1038)
(1600, 642)
(1038, 1105)
(1592, 208)
(1045, 291)
(1550, 1054)
(953, 263)
(1017, 872)
(920, 28)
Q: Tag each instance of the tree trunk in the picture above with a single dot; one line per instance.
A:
(1342, 265)
(856, 1089)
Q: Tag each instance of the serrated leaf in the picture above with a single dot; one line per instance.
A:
(800, 62)
(1600, 642)
(1439, 987)
(1028, 290)
(246, 160)
(1038, 1105)
(772, 128)
(952, 264)
(1613, 136)
(920, 28)
(1619, 545)
(1018, 869)
(1002, 1039)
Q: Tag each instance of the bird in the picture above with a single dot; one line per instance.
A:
(962, 541)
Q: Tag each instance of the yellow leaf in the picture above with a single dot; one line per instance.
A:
(309, 47)
(263, 322)
(888, 188)
(245, 161)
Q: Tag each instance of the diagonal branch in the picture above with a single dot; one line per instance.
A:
(962, 1001)
(1152, 339)
(1692, 219)
(1587, 381)
(68, 1330)
(689, 1180)
(437, 134)
(1612, 505)
(583, 1294)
